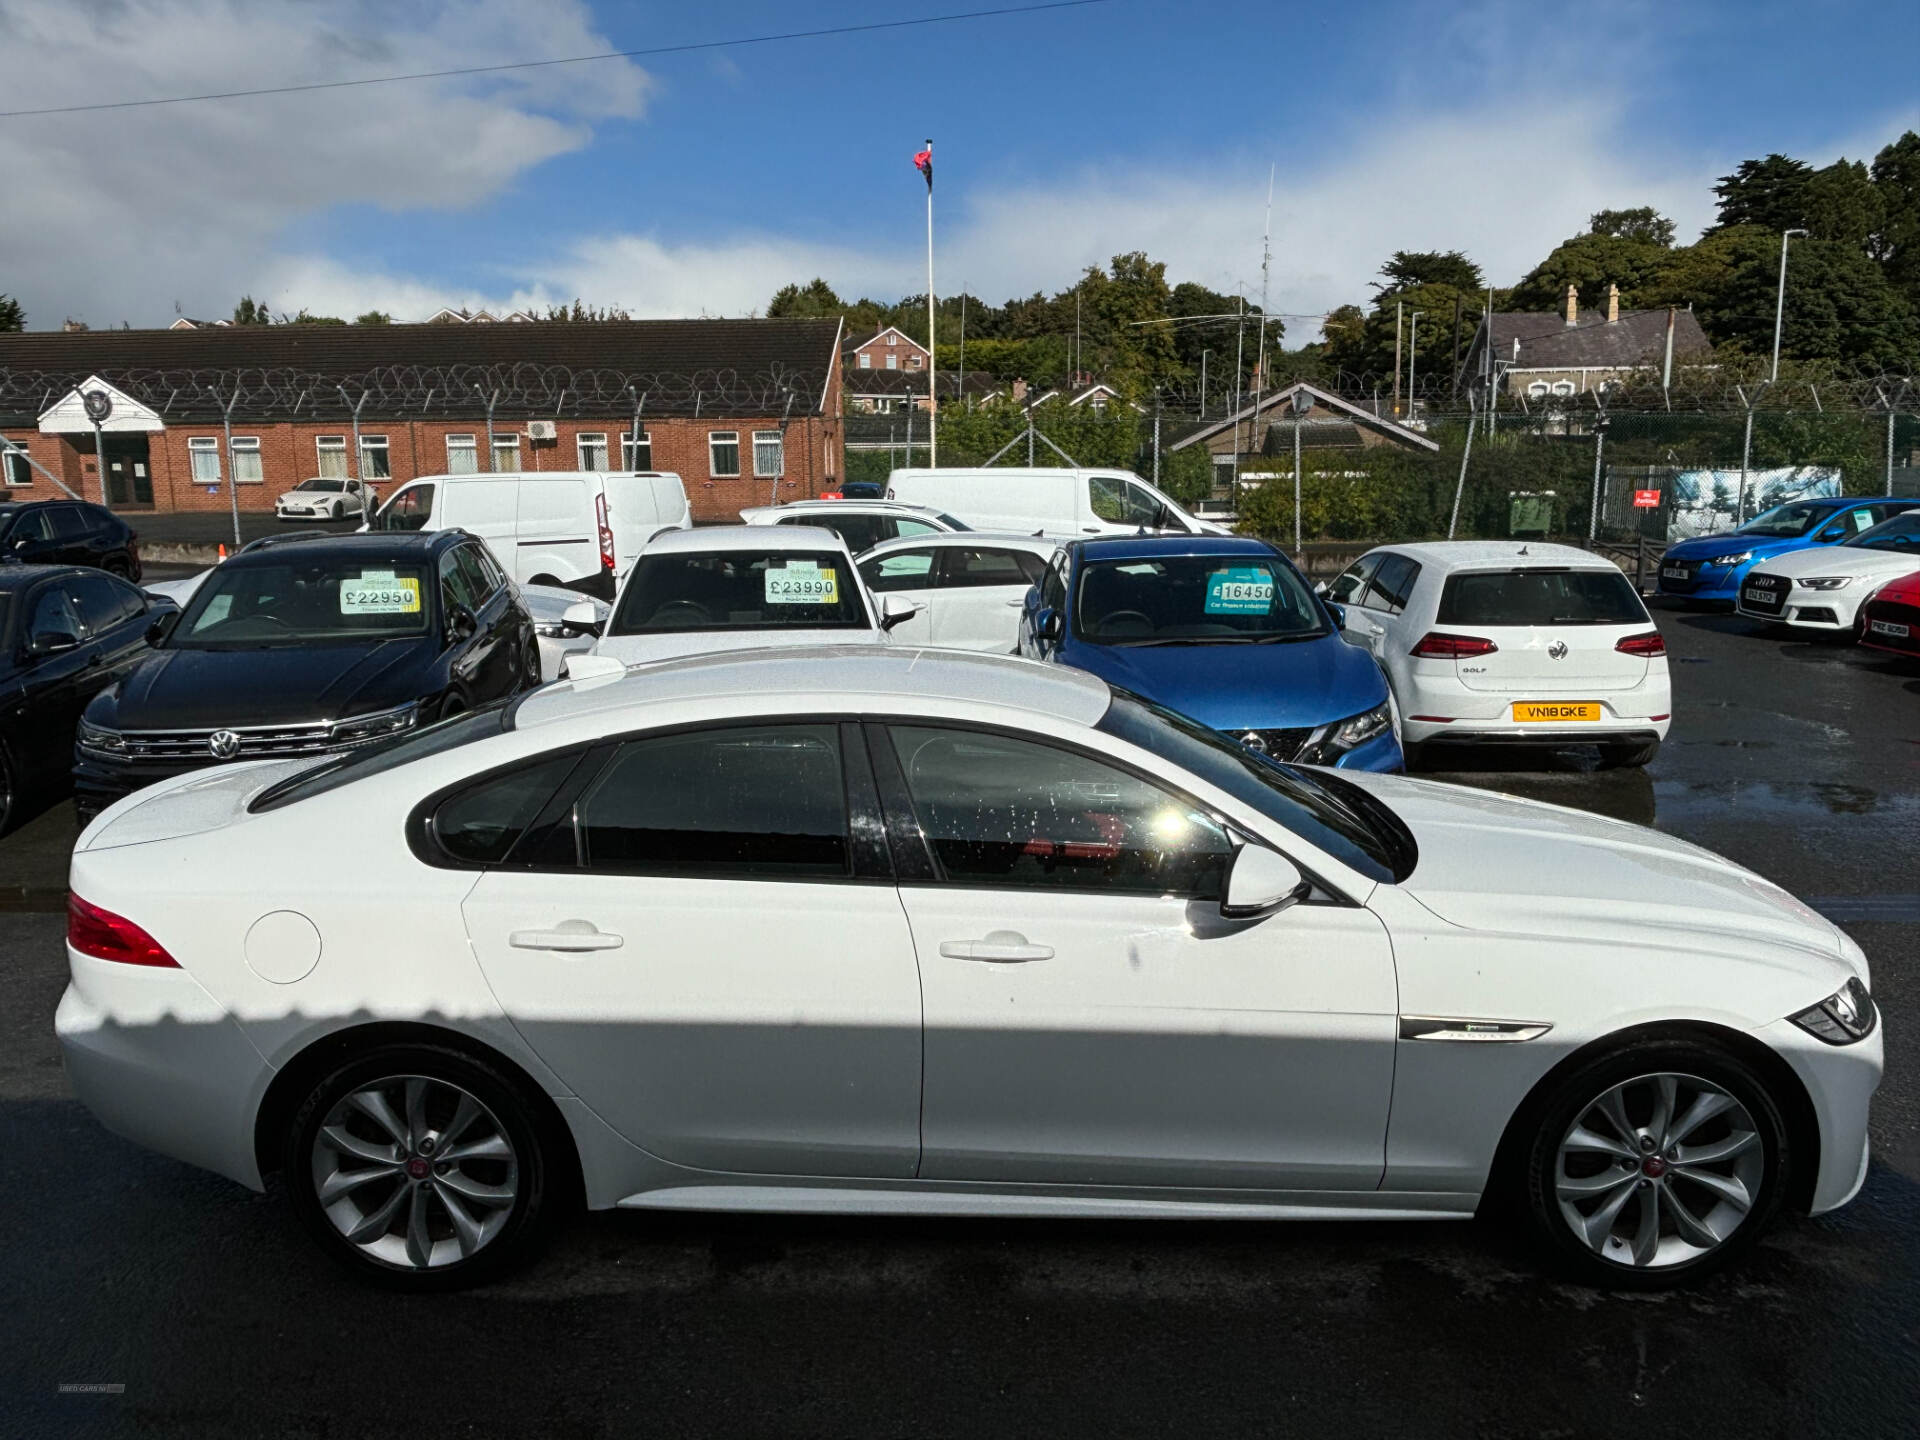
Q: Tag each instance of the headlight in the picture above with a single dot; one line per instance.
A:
(100, 740)
(554, 630)
(382, 723)
(1349, 734)
(1740, 559)
(1828, 582)
(1844, 1017)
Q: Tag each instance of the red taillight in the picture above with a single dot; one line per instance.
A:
(1647, 645)
(606, 532)
(107, 936)
(1435, 646)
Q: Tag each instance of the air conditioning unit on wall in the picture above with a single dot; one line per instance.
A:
(542, 430)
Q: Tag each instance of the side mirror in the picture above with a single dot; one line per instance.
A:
(1339, 613)
(161, 626)
(1262, 882)
(1050, 626)
(53, 642)
(1831, 533)
(582, 618)
(894, 609)
(461, 623)
(1320, 587)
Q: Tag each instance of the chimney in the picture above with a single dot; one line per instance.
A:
(1613, 304)
(1573, 303)
(1019, 392)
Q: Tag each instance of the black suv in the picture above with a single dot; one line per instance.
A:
(68, 532)
(291, 650)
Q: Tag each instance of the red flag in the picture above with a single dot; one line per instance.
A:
(924, 162)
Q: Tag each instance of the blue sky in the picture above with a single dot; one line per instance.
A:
(677, 184)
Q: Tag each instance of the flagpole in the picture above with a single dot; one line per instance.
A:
(933, 398)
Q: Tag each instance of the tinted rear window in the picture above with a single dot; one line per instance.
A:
(1541, 597)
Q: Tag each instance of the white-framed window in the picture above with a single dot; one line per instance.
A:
(246, 460)
(893, 360)
(1537, 389)
(915, 361)
(866, 361)
(463, 455)
(331, 453)
(506, 454)
(592, 450)
(1563, 387)
(723, 452)
(636, 457)
(203, 456)
(373, 458)
(14, 468)
(769, 454)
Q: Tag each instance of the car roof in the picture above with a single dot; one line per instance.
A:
(1149, 547)
(1447, 555)
(368, 545)
(19, 577)
(706, 539)
(951, 539)
(843, 507)
(809, 674)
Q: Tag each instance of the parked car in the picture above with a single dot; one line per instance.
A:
(878, 931)
(1060, 502)
(68, 532)
(861, 523)
(1822, 590)
(1222, 629)
(557, 636)
(736, 587)
(1512, 643)
(66, 633)
(325, 497)
(1711, 567)
(309, 649)
(1890, 620)
(577, 528)
(971, 587)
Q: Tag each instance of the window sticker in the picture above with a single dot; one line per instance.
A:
(1246, 590)
(802, 582)
(380, 592)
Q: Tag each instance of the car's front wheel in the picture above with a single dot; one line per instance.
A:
(419, 1167)
(1655, 1164)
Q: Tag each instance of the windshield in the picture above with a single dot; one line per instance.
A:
(321, 484)
(383, 755)
(1541, 597)
(767, 589)
(1194, 600)
(304, 601)
(1786, 522)
(1902, 532)
(1332, 814)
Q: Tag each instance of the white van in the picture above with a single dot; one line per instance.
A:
(1059, 502)
(558, 527)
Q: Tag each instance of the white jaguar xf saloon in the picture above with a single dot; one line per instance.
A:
(883, 930)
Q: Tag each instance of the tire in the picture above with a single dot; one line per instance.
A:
(450, 706)
(1579, 1163)
(1628, 756)
(339, 511)
(117, 565)
(1413, 754)
(426, 1224)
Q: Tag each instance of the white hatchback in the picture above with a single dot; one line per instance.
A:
(1824, 588)
(971, 586)
(1511, 643)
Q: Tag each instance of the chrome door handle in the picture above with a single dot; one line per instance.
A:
(568, 937)
(1000, 947)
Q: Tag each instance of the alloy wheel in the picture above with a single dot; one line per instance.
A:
(1659, 1171)
(416, 1172)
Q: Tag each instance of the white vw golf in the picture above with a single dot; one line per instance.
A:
(882, 930)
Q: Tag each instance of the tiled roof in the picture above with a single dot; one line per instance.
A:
(1638, 338)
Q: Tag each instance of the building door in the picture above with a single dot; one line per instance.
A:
(128, 471)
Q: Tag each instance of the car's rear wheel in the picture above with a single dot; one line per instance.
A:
(339, 510)
(418, 1167)
(117, 565)
(1656, 1164)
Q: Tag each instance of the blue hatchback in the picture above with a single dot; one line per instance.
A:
(1222, 629)
(1711, 567)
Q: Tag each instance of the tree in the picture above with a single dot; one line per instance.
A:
(1591, 262)
(813, 301)
(584, 313)
(1406, 269)
(1839, 304)
(373, 317)
(1842, 205)
(1896, 176)
(247, 312)
(1769, 193)
(12, 317)
(1642, 222)
(303, 316)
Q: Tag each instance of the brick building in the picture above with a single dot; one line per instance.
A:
(888, 349)
(744, 411)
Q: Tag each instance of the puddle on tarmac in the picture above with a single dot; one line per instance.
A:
(1678, 800)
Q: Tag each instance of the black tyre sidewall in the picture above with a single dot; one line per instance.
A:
(1573, 1093)
(503, 1095)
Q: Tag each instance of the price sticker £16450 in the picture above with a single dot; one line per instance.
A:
(802, 582)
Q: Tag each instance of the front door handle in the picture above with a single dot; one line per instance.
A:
(569, 937)
(999, 947)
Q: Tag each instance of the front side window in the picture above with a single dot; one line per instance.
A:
(54, 619)
(374, 461)
(1541, 597)
(1004, 812)
(463, 455)
(1353, 580)
(723, 452)
(409, 510)
(246, 460)
(592, 450)
(898, 570)
(1900, 533)
(330, 454)
(769, 454)
(286, 602)
(965, 566)
(759, 802)
(456, 584)
(770, 589)
(478, 573)
(106, 602)
(1392, 584)
(636, 456)
(1194, 600)
(1120, 502)
(506, 454)
(203, 456)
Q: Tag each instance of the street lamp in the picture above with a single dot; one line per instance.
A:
(1780, 299)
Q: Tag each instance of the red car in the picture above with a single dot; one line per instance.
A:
(1890, 620)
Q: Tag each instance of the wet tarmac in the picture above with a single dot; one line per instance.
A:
(217, 1318)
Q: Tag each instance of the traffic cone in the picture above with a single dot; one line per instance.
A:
(223, 554)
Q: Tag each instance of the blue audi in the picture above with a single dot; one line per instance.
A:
(1222, 629)
(1711, 567)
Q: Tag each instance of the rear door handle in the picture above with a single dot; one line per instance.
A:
(569, 937)
(1000, 947)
